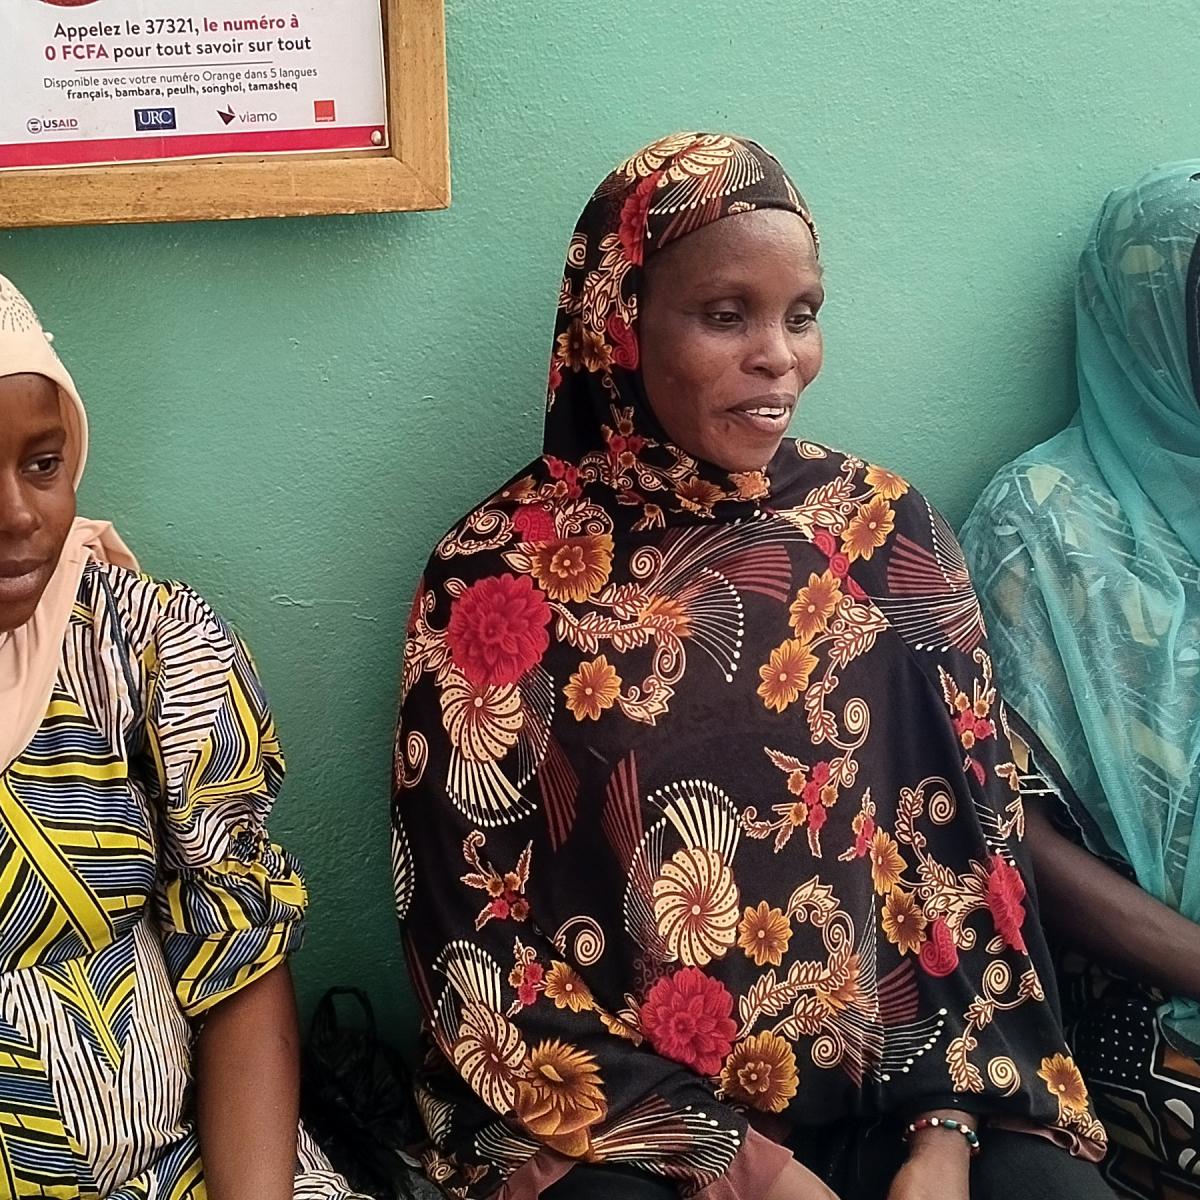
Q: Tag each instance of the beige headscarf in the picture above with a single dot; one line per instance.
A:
(29, 656)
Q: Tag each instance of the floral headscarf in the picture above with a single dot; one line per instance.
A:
(599, 420)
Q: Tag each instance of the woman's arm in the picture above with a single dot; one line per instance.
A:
(1087, 904)
(230, 902)
(248, 1091)
(796, 1182)
(1104, 915)
(938, 1163)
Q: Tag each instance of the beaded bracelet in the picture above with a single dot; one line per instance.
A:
(945, 1123)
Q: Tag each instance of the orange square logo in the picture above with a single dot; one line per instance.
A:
(324, 110)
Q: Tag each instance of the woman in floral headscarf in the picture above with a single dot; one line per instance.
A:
(707, 834)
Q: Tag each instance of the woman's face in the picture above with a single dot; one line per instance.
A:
(729, 335)
(37, 498)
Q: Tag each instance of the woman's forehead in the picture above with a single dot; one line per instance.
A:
(742, 239)
(38, 395)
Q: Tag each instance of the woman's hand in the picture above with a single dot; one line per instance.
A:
(798, 1183)
(939, 1165)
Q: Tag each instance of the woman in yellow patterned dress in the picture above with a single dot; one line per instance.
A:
(146, 1014)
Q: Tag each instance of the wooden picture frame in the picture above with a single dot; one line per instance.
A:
(412, 173)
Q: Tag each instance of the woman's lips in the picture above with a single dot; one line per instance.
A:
(21, 581)
(768, 415)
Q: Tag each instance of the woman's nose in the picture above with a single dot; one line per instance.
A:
(772, 352)
(18, 517)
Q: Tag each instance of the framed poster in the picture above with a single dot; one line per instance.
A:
(168, 110)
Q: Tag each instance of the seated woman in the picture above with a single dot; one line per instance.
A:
(1087, 554)
(147, 1025)
(707, 834)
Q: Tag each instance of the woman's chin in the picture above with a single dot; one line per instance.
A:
(19, 598)
(12, 617)
(741, 459)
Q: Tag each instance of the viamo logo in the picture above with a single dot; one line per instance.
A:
(228, 116)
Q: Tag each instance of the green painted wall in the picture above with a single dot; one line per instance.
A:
(289, 413)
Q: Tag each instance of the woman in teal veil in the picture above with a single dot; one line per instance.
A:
(1086, 551)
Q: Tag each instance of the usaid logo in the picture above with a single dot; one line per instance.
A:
(146, 120)
(51, 125)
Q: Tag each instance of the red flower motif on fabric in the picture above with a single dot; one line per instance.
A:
(534, 523)
(817, 791)
(623, 452)
(839, 564)
(529, 980)
(1005, 896)
(634, 213)
(556, 377)
(509, 905)
(497, 630)
(565, 476)
(939, 955)
(686, 1018)
(623, 341)
(972, 729)
(506, 892)
(824, 541)
(864, 831)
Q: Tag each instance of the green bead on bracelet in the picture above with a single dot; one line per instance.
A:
(945, 1123)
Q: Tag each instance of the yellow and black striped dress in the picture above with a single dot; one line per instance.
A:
(138, 888)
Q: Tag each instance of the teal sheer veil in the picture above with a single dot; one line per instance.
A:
(1086, 552)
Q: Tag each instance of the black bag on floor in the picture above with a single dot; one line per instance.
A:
(356, 1099)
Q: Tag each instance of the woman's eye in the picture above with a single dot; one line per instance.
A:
(799, 322)
(724, 316)
(46, 465)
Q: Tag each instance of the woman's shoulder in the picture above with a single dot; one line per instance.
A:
(1050, 503)
(144, 606)
(1050, 481)
(860, 488)
(486, 525)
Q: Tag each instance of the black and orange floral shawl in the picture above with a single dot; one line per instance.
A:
(705, 807)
